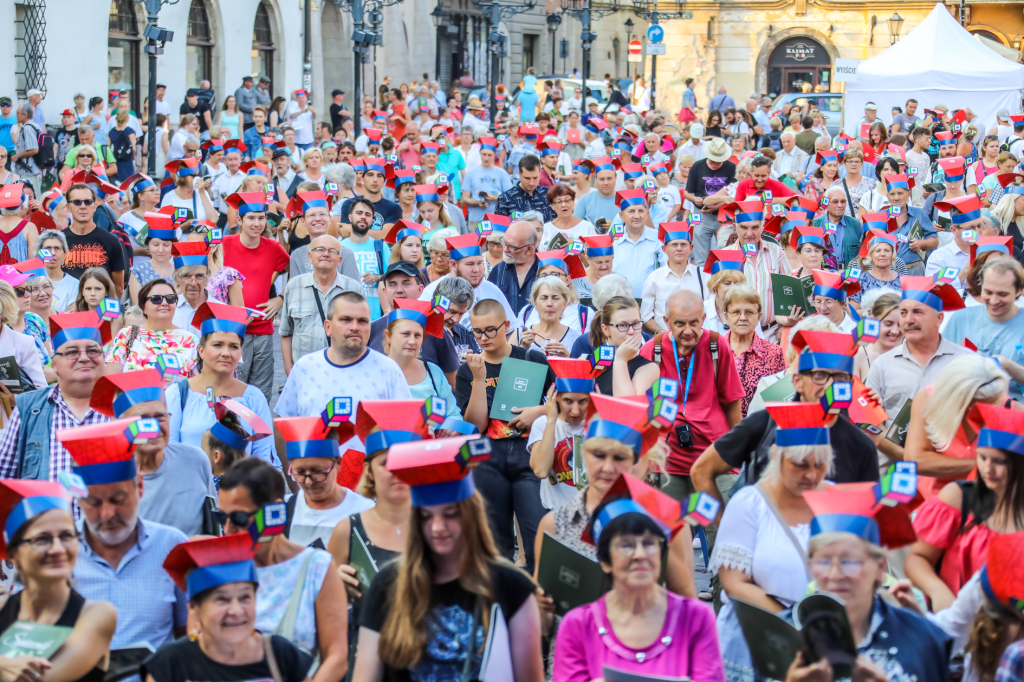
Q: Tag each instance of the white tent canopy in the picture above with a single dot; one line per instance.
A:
(937, 63)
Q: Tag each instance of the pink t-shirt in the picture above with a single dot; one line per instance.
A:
(686, 647)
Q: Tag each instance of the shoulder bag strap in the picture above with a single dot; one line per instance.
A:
(785, 526)
(268, 651)
(286, 626)
(289, 513)
(849, 199)
(320, 309)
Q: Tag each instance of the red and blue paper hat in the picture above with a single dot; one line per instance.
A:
(626, 420)
(550, 147)
(201, 565)
(308, 437)
(1012, 183)
(825, 155)
(529, 131)
(23, 500)
(304, 201)
(399, 177)
(247, 202)
(630, 495)
(872, 238)
(573, 375)
(833, 285)
(161, 226)
(98, 180)
(808, 207)
(489, 143)
(630, 171)
(438, 471)
(852, 508)
(377, 165)
(899, 181)
(104, 453)
(136, 183)
(181, 168)
(53, 199)
(824, 350)
(568, 263)
(602, 164)
(881, 221)
(429, 193)
(87, 325)
(428, 148)
(1003, 429)
(599, 245)
(255, 168)
(724, 259)
(953, 168)
(420, 312)
(189, 253)
(115, 394)
(680, 229)
(945, 137)
(212, 146)
(397, 421)
(401, 230)
(932, 292)
(968, 205)
(584, 166)
(463, 246)
(630, 197)
(1002, 576)
(33, 267)
(799, 424)
(744, 211)
(656, 167)
(212, 316)
(1003, 245)
(379, 115)
(596, 124)
(255, 427)
(808, 234)
(235, 146)
(781, 224)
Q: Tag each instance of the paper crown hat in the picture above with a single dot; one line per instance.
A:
(722, 259)
(599, 245)
(881, 221)
(570, 264)
(23, 500)
(115, 394)
(463, 246)
(420, 312)
(401, 176)
(430, 193)
(437, 470)
(898, 181)
(200, 565)
(808, 207)
(932, 292)
(247, 202)
(1012, 183)
(71, 326)
(743, 211)
(33, 267)
(1002, 577)
(189, 253)
(255, 168)
(250, 422)
(630, 495)
(968, 206)
(807, 234)
(12, 195)
(625, 420)
(220, 317)
(833, 285)
(872, 238)
(403, 229)
(161, 226)
(630, 197)
(953, 168)
(396, 421)
(573, 375)
(309, 437)
(630, 171)
(183, 167)
(784, 223)
(104, 453)
(671, 231)
(799, 424)
(303, 202)
(1003, 429)
(1003, 245)
(852, 508)
(824, 350)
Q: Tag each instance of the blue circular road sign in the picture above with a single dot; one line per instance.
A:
(655, 34)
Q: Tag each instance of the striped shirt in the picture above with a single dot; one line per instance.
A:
(770, 259)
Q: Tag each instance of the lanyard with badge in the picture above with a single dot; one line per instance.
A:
(683, 434)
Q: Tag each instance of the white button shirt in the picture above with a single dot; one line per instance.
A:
(948, 256)
(661, 284)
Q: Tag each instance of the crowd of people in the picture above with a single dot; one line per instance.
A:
(795, 354)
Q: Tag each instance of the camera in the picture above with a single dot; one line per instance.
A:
(684, 436)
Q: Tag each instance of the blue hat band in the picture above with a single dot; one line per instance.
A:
(208, 577)
(214, 148)
(672, 236)
(488, 147)
(547, 151)
(870, 225)
(586, 171)
(598, 251)
(617, 508)
(52, 205)
(632, 201)
(448, 492)
(829, 292)
(899, 184)
(232, 150)
(299, 449)
(943, 143)
(184, 171)
(459, 426)
(108, 472)
(166, 235)
(833, 361)
(789, 225)
(465, 252)
(212, 324)
(632, 175)
(77, 334)
(37, 272)
(28, 509)
(410, 232)
(404, 179)
(593, 129)
(145, 394)
(786, 438)
(749, 217)
(251, 208)
(1014, 189)
(806, 211)
(604, 167)
(966, 217)
(953, 178)
(602, 428)
(230, 438)
(256, 171)
(373, 167)
(313, 203)
(861, 526)
(810, 239)
(557, 262)
(718, 266)
(182, 261)
(1003, 440)
(926, 297)
(430, 196)
(382, 440)
(406, 314)
(1001, 248)
(659, 169)
(140, 186)
(574, 385)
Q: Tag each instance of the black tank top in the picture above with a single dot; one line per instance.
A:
(9, 614)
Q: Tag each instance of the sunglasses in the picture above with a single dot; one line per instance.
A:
(157, 299)
(238, 519)
(21, 291)
(82, 202)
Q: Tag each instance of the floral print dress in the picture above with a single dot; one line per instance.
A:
(36, 328)
(217, 287)
(150, 345)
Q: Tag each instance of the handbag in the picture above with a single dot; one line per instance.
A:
(686, 115)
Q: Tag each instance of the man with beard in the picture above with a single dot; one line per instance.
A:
(371, 254)
(346, 367)
(385, 213)
(467, 262)
(120, 554)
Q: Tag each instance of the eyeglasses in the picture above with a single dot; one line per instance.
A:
(488, 333)
(238, 519)
(21, 291)
(320, 250)
(157, 299)
(626, 545)
(195, 276)
(562, 202)
(74, 353)
(821, 377)
(198, 229)
(42, 543)
(851, 568)
(82, 202)
(513, 249)
(316, 476)
(624, 327)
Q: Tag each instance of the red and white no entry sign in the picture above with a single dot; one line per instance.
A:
(635, 47)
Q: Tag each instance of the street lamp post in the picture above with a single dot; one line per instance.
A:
(554, 21)
(648, 9)
(156, 38)
(495, 12)
(585, 12)
(895, 25)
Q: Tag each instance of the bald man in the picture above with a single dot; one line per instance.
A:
(515, 274)
(306, 299)
(709, 386)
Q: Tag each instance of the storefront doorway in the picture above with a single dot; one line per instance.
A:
(799, 64)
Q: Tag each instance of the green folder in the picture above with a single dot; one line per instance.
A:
(897, 432)
(520, 384)
(788, 291)
(24, 638)
(916, 231)
(579, 467)
(781, 391)
(568, 577)
(362, 560)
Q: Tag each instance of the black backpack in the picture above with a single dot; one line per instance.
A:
(121, 145)
(44, 158)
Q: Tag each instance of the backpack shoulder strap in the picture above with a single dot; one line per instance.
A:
(584, 315)
(966, 498)
(379, 249)
(657, 348)
(183, 390)
(289, 510)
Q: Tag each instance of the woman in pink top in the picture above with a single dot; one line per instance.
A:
(638, 626)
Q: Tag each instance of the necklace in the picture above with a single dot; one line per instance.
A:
(397, 528)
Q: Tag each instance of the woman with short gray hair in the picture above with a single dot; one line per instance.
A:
(345, 177)
(65, 287)
(440, 261)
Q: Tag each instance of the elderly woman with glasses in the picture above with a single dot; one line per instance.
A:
(549, 296)
(563, 199)
(440, 258)
(140, 347)
(32, 356)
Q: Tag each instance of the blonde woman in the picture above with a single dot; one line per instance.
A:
(884, 306)
(549, 296)
(1008, 215)
(312, 171)
(17, 344)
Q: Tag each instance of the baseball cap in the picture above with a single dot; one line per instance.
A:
(161, 85)
(6, 101)
(402, 266)
(32, 92)
(337, 92)
(278, 153)
(192, 92)
(870, 106)
(79, 95)
(67, 112)
(1002, 113)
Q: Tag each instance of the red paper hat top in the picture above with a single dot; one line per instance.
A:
(98, 443)
(390, 415)
(836, 343)
(259, 428)
(426, 462)
(666, 511)
(858, 499)
(435, 321)
(1004, 569)
(797, 415)
(13, 491)
(84, 320)
(298, 429)
(110, 386)
(188, 556)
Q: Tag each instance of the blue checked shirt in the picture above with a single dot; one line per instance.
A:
(1011, 666)
(149, 604)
